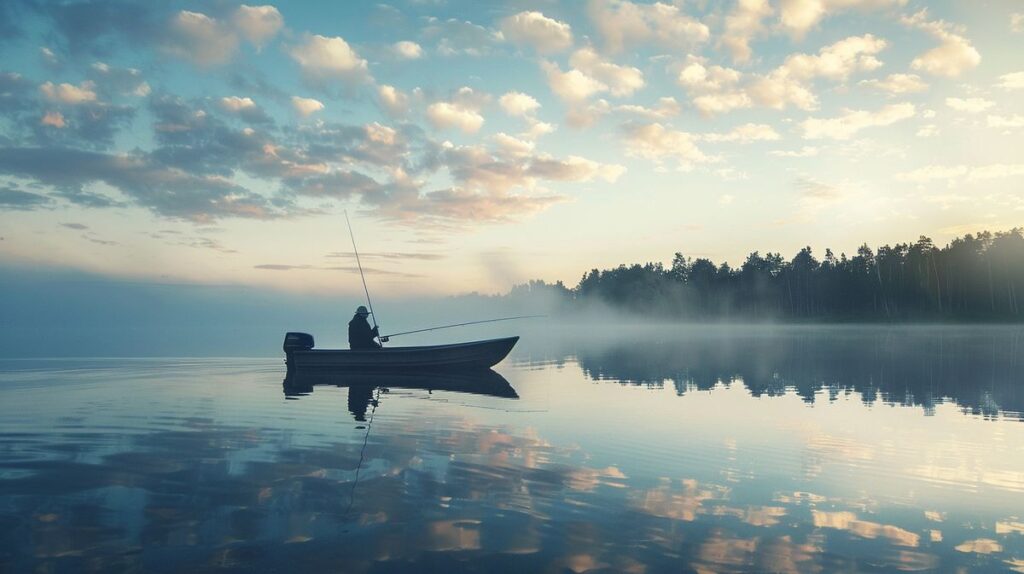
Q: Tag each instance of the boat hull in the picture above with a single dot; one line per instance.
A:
(459, 356)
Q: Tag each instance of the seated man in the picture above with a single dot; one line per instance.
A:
(360, 335)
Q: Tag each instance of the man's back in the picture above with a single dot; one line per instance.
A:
(360, 335)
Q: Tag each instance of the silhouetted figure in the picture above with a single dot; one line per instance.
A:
(360, 334)
(359, 399)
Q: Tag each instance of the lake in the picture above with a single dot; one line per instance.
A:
(666, 449)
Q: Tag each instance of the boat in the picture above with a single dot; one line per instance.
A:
(477, 382)
(300, 356)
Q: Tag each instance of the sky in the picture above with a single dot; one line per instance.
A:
(480, 144)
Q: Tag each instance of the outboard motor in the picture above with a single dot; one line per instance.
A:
(296, 342)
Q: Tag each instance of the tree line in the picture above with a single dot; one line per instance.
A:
(974, 277)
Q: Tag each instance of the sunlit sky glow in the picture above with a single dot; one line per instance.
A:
(479, 144)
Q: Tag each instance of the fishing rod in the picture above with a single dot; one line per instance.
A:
(462, 324)
(363, 276)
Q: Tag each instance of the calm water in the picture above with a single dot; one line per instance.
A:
(798, 449)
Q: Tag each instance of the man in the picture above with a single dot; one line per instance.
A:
(360, 334)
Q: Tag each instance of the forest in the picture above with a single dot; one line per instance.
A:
(977, 277)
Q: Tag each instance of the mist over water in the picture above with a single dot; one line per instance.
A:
(629, 448)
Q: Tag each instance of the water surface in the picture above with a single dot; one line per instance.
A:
(674, 449)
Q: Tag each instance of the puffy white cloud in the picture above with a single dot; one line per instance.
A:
(512, 145)
(545, 35)
(716, 89)
(69, 93)
(954, 54)
(443, 115)
(394, 102)
(896, 84)
(257, 24)
(203, 40)
(745, 133)
(53, 119)
(969, 105)
(850, 122)
(518, 104)
(799, 16)
(839, 60)
(927, 131)
(1005, 122)
(236, 104)
(658, 143)
(622, 24)
(244, 108)
(306, 107)
(1012, 81)
(323, 58)
(573, 86)
(741, 25)
(1017, 22)
(407, 50)
(622, 81)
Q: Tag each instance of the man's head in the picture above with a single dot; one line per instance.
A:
(361, 311)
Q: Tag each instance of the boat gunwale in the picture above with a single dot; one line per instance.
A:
(418, 348)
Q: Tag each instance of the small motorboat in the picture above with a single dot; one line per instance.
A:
(300, 355)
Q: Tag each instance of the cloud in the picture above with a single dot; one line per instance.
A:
(322, 58)
(622, 25)
(53, 119)
(121, 81)
(166, 191)
(622, 81)
(658, 143)
(68, 93)
(203, 40)
(474, 167)
(345, 269)
(390, 255)
(927, 131)
(444, 115)
(245, 109)
(75, 226)
(716, 89)
(462, 205)
(799, 16)
(573, 86)
(665, 108)
(1013, 81)
(394, 102)
(1005, 122)
(518, 104)
(543, 34)
(745, 133)
(814, 189)
(306, 107)
(897, 84)
(407, 50)
(460, 37)
(850, 122)
(742, 25)
(12, 199)
(805, 151)
(1017, 22)
(257, 24)
(969, 105)
(952, 173)
(953, 56)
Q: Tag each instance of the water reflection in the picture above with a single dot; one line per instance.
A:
(204, 465)
(981, 370)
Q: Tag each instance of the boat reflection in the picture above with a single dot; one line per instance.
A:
(361, 386)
